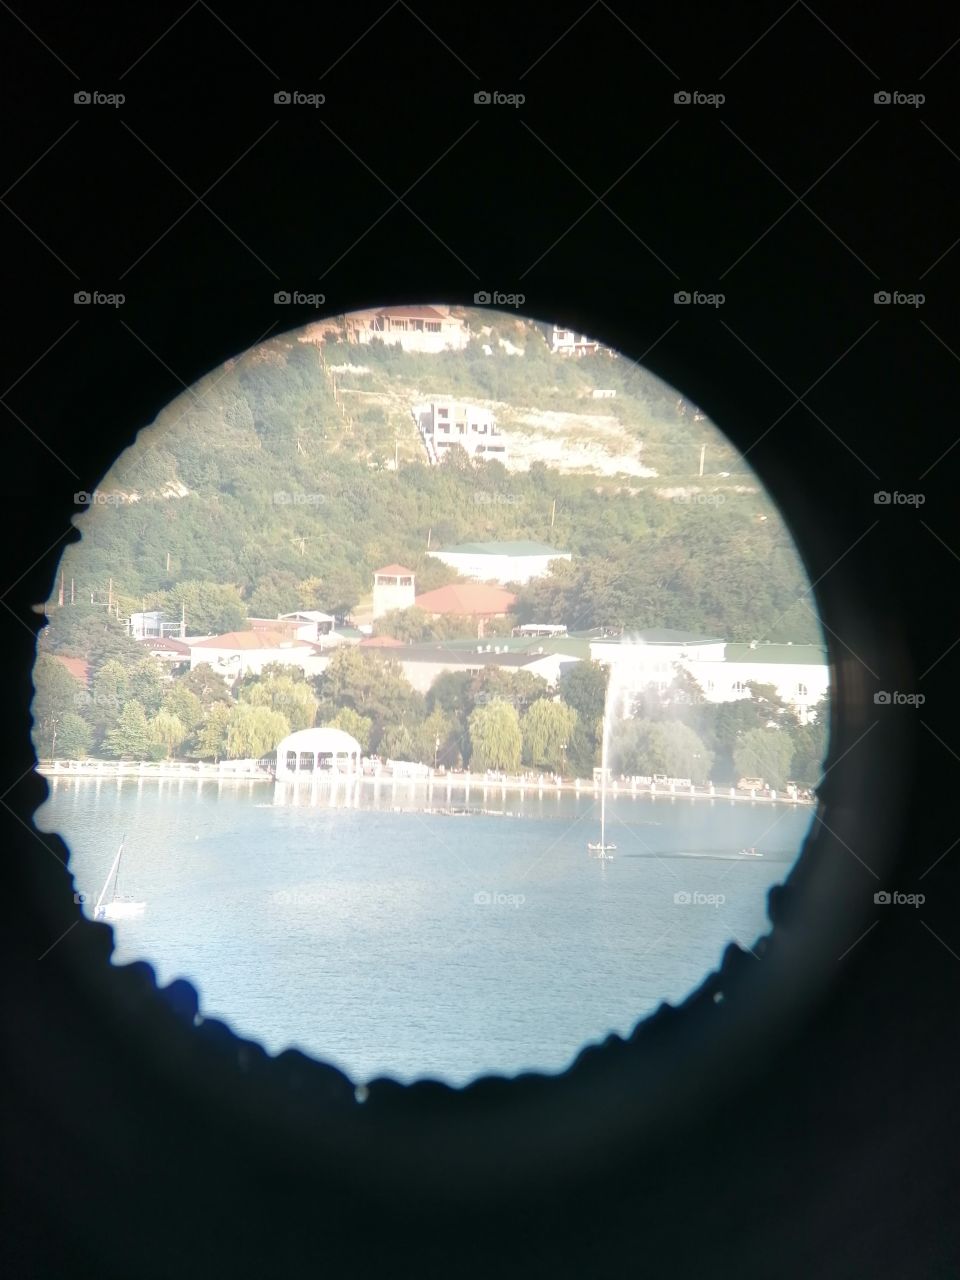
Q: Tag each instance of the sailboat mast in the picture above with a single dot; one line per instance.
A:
(114, 870)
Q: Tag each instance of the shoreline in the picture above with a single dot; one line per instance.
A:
(448, 784)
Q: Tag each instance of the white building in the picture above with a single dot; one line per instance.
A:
(567, 342)
(415, 328)
(423, 663)
(503, 562)
(312, 753)
(239, 653)
(448, 422)
(799, 672)
(394, 587)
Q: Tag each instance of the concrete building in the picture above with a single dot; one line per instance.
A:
(448, 422)
(154, 623)
(516, 561)
(413, 328)
(394, 587)
(651, 659)
(567, 342)
(311, 753)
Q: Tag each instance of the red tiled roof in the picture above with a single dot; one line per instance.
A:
(79, 668)
(414, 313)
(166, 644)
(245, 640)
(381, 642)
(466, 598)
(395, 571)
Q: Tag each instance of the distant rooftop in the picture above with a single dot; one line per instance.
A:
(395, 571)
(467, 599)
(661, 635)
(521, 547)
(243, 640)
(801, 654)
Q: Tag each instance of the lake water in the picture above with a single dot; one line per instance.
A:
(424, 944)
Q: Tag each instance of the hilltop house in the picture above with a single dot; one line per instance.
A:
(517, 561)
(567, 342)
(394, 587)
(448, 422)
(413, 328)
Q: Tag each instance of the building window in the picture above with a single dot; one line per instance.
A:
(432, 326)
(443, 413)
(398, 324)
(739, 686)
(802, 690)
(307, 761)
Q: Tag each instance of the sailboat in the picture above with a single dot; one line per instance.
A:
(603, 849)
(117, 908)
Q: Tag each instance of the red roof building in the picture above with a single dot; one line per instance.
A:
(467, 599)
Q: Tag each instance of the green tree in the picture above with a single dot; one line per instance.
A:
(292, 698)
(667, 747)
(167, 732)
(357, 726)
(73, 741)
(57, 695)
(130, 738)
(253, 732)
(179, 701)
(810, 747)
(147, 684)
(205, 684)
(546, 729)
(765, 753)
(495, 740)
(212, 734)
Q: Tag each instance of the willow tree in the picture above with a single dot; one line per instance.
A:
(495, 740)
(253, 732)
(546, 729)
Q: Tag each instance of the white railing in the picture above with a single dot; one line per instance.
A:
(224, 769)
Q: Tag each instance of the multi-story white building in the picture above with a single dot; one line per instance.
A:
(651, 659)
(445, 423)
(394, 587)
(516, 561)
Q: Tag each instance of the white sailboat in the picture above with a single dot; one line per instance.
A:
(117, 908)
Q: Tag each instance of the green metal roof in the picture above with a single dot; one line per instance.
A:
(809, 654)
(659, 635)
(520, 547)
(571, 646)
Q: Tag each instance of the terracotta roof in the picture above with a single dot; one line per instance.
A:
(246, 640)
(79, 668)
(381, 642)
(467, 598)
(164, 644)
(395, 571)
(414, 312)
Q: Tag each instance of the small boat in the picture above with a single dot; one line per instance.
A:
(750, 853)
(118, 907)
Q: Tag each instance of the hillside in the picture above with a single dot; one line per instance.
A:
(282, 480)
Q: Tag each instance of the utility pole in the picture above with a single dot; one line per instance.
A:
(168, 562)
(60, 599)
(110, 596)
(72, 601)
(703, 451)
(553, 513)
(429, 535)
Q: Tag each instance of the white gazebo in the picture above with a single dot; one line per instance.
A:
(310, 753)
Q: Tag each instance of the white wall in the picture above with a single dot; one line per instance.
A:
(499, 568)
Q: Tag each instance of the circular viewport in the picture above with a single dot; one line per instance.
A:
(435, 689)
